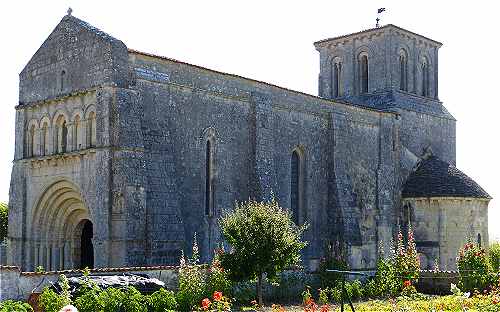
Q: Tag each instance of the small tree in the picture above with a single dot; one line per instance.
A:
(4, 221)
(264, 240)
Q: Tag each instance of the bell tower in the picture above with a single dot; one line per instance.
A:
(381, 67)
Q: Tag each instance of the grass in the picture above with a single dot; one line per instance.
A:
(419, 302)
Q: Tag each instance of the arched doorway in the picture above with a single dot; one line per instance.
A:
(86, 247)
(61, 230)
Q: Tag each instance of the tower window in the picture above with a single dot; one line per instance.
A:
(209, 180)
(296, 185)
(425, 78)
(336, 81)
(363, 73)
(403, 71)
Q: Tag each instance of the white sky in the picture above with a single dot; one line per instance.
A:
(272, 41)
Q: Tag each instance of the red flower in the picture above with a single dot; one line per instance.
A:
(324, 308)
(217, 295)
(205, 303)
(407, 284)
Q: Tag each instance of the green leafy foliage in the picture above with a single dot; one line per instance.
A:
(4, 220)
(15, 306)
(50, 301)
(474, 268)
(264, 240)
(197, 282)
(494, 256)
(162, 300)
(330, 279)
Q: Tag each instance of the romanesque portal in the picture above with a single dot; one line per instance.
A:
(61, 229)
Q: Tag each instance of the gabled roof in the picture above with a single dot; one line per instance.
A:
(80, 24)
(375, 30)
(436, 178)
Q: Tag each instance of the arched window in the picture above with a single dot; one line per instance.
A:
(77, 133)
(31, 141)
(63, 74)
(209, 179)
(425, 78)
(363, 73)
(44, 140)
(91, 130)
(403, 71)
(296, 186)
(64, 137)
(60, 135)
(336, 79)
(479, 242)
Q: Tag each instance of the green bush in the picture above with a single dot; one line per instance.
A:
(50, 301)
(4, 220)
(15, 306)
(197, 282)
(474, 268)
(264, 241)
(330, 279)
(494, 256)
(356, 290)
(162, 300)
(387, 283)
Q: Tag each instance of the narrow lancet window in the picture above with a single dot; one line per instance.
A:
(425, 78)
(296, 186)
(64, 137)
(31, 142)
(44, 139)
(363, 66)
(209, 189)
(336, 83)
(403, 71)
(91, 130)
(63, 74)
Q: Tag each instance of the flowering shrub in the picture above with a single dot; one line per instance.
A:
(474, 268)
(219, 303)
(406, 262)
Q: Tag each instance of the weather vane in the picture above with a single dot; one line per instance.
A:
(70, 10)
(379, 11)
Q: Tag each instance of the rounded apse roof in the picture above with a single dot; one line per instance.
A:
(436, 178)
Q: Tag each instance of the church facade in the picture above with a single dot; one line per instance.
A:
(122, 156)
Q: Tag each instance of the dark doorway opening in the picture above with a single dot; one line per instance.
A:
(87, 249)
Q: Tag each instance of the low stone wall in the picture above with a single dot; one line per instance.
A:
(436, 283)
(3, 252)
(18, 285)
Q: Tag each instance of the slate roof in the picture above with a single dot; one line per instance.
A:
(436, 178)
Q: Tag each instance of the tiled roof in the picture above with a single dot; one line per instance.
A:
(436, 178)
(339, 101)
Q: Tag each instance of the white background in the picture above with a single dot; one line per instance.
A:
(272, 41)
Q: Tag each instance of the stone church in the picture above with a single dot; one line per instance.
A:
(122, 156)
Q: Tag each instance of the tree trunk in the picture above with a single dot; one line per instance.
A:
(259, 289)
